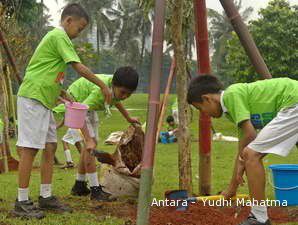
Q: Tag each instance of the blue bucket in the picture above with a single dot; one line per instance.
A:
(285, 177)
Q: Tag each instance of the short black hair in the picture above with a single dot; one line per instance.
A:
(75, 9)
(126, 77)
(201, 85)
(170, 118)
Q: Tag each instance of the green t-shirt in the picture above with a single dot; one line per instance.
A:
(259, 101)
(169, 128)
(45, 73)
(88, 93)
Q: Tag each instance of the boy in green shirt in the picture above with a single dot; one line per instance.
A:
(270, 106)
(122, 84)
(37, 95)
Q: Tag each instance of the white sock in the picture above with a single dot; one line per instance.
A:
(45, 190)
(93, 179)
(23, 194)
(81, 177)
(68, 155)
(260, 212)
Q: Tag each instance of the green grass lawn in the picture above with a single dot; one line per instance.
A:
(165, 172)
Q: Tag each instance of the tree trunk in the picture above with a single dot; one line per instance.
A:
(185, 177)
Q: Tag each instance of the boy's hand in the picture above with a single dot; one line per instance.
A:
(137, 171)
(66, 96)
(133, 120)
(240, 171)
(107, 94)
(230, 192)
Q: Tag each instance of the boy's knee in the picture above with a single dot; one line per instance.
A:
(250, 155)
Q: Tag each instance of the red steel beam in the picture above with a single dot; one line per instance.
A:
(204, 67)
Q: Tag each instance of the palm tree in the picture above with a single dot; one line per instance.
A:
(105, 26)
(133, 32)
(221, 31)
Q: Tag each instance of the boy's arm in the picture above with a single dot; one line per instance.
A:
(125, 114)
(66, 96)
(87, 73)
(248, 135)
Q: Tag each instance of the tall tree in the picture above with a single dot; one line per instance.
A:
(277, 41)
(185, 177)
(221, 31)
(134, 30)
(179, 21)
(24, 22)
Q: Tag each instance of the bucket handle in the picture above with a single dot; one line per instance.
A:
(65, 101)
(279, 188)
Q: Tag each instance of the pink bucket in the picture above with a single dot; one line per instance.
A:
(75, 115)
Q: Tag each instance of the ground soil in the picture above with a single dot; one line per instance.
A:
(197, 214)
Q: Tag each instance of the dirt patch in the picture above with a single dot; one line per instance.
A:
(197, 214)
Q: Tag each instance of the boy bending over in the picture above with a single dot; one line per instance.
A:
(270, 106)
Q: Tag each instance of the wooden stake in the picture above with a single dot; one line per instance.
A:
(3, 91)
(165, 98)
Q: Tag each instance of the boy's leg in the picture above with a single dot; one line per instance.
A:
(78, 146)
(95, 188)
(33, 120)
(89, 160)
(46, 169)
(256, 179)
(80, 187)
(90, 168)
(46, 199)
(67, 153)
(25, 166)
(72, 137)
(277, 137)
(97, 193)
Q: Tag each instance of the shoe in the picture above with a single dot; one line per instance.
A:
(52, 203)
(80, 188)
(99, 195)
(68, 165)
(27, 210)
(252, 220)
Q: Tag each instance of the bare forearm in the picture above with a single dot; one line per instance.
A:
(88, 74)
(122, 110)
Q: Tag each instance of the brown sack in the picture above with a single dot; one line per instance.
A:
(122, 178)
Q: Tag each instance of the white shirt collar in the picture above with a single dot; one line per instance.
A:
(224, 109)
(60, 27)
